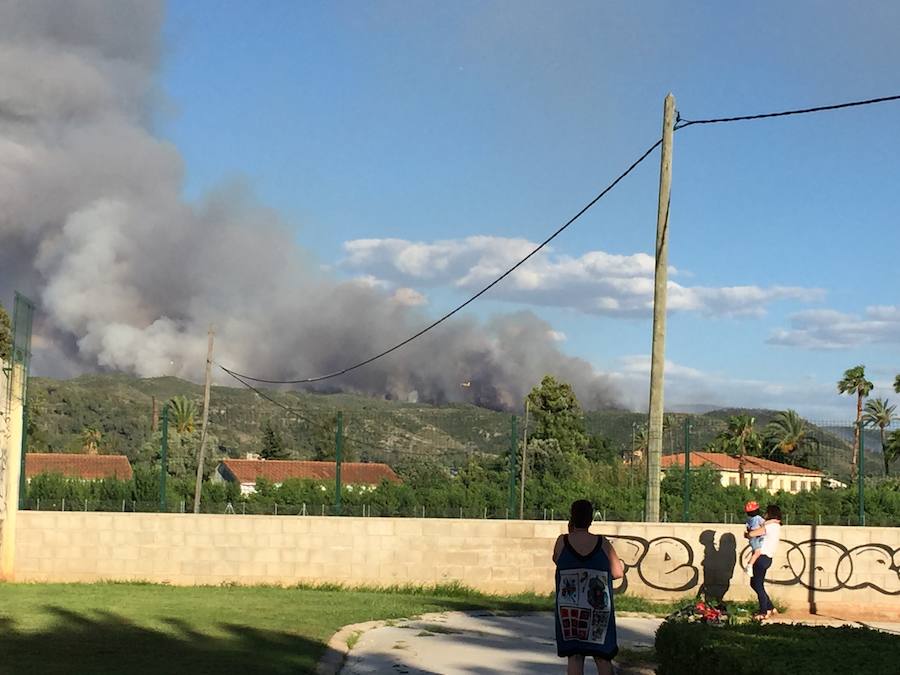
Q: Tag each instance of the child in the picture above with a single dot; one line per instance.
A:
(754, 521)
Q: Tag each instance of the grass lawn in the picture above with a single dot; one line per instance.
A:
(155, 629)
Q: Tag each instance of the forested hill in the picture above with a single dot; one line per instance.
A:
(120, 407)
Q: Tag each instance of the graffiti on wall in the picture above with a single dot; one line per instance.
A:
(823, 565)
(663, 563)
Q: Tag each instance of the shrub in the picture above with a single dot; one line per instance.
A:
(756, 649)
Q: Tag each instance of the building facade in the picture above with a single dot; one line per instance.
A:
(758, 472)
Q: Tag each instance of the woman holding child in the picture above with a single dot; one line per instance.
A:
(770, 532)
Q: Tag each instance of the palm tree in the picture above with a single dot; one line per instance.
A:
(740, 436)
(788, 433)
(183, 412)
(90, 440)
(855, 382)
(892, 449)
(641, 442)
(880, 413)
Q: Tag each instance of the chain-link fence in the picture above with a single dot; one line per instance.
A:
(459, 461)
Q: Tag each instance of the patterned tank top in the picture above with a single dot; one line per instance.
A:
(585, 619)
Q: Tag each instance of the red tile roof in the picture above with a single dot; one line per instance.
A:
(86, 467)
(278, 470)
(725, 462)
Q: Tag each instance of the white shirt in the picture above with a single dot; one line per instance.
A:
(771, 540)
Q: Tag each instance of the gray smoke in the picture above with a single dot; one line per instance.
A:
(128, 275)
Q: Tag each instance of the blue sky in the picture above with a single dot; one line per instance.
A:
(446, 124)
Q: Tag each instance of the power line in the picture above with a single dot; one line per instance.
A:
(683, 123)
(281, 405)
(472, 299)
(364, 445)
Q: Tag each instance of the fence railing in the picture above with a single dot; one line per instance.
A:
(424, 511)
(818, 457)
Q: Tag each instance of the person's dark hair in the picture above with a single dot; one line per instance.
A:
(773, 512)
(753, 513)
(582, 514)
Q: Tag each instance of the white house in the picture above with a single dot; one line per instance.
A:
(247, 471)
(758, 472)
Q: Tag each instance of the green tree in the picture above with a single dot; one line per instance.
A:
(880, 413)
(891, 449)
(5, 335)
(854, 382)
(90, 439)
(600, 449)
(897, 384)
(557, 415)
(641, 442)
(323, 438)
(740, 437)
(272, 444)
(182, 414)
(789, 435)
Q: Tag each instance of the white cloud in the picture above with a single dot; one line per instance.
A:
(557, 335)
(687, 386)
(409, 297)
(370, 281)
(595, 283)
(830, 329)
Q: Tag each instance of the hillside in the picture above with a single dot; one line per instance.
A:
(120, 407)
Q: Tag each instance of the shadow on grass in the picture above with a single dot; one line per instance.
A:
(105, 642)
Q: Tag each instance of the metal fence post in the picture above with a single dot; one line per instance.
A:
(860, 478)
(687, 471)
(512, 468)
(164, 458)
(23, 482)
(338, 448)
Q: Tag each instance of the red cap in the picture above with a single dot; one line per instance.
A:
(751, 506)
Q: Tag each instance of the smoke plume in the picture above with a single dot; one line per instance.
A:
(128, 275)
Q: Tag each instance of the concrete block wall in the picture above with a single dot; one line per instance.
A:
(835, 567)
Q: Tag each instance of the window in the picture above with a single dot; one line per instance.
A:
(732, 480)
(756, 482)
(793, 486)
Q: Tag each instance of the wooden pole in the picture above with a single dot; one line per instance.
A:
(198, 486)
(658, 353)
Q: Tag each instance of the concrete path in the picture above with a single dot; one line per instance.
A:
(457, 643)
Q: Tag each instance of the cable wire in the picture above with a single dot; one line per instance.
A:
(680, 124)
(683, 123)
(472, 299)
(364, 445)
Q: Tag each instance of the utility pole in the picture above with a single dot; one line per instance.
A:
(524, 460)
(198, 487)
(658, 353)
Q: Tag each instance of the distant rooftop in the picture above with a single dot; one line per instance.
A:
(724, 462)
(85, 467)
(279, 470)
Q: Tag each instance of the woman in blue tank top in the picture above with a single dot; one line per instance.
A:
(586, 565)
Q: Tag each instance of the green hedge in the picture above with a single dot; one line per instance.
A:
(776, 649)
